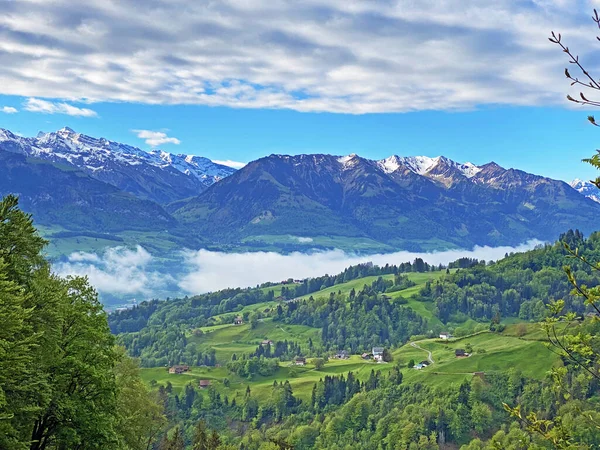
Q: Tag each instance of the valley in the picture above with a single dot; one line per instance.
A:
(324, 225)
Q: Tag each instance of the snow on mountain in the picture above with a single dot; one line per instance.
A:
(587, 189)
(168, 177)
(422, 165)
(349, 161)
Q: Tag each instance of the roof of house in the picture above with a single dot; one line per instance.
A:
(204, 382)
(377, 349)
(459, 351)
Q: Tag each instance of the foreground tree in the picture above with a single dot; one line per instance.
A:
(63, 383)
(574, 339)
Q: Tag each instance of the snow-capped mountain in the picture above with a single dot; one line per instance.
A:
(400, 201)
(587, 189)
(424, 165)
(154, 175)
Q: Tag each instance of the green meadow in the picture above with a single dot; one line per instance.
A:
(227, 339)
(492, 352)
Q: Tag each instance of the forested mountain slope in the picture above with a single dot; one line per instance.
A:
(332, 401)
(61, 196)
(403, 202)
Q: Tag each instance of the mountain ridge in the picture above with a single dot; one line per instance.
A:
(399, 202)
(395, 200)
(151, 175)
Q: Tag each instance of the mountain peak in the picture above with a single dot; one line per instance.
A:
(423, 165)
(155, 175)
(348, 161)
(586, 188)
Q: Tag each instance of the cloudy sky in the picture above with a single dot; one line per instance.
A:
(238, 79)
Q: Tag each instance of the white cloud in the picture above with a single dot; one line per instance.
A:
(156, 138)
(211, 271)
(325, 55)
(9, 110)
(303, 240)
(46, 107)
(118, 271)
(229, 163)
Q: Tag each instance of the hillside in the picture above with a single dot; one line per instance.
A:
(63, 197)
(493, 353)
(412, 203)
(242, 374)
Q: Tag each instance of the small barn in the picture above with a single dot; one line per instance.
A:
(460, 353)
(179, 369)
(342, 354)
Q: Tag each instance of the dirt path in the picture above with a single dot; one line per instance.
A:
(420, 348)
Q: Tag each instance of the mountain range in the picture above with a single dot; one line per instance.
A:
(156, 175)
(403, 202)
(81, 184)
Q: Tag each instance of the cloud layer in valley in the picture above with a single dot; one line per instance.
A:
(118, 271)
(127, 272)
(330, 55)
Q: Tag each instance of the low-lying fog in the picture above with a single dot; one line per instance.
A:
(123, 273)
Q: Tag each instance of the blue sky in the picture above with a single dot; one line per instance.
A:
(240, 79)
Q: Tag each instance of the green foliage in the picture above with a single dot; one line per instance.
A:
(250, 367)
(361, 322)
(63, 383)
(520, 285)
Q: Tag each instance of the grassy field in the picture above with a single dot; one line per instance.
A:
(228, 339)
(492, 352)
(423, 308)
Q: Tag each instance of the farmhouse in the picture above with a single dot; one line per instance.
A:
(204, 384)
(267, 342)
(460, 353)
(342, 354)
(418, 366)
(445, 336)
(378, 354)
(366, 356)
(238, 320)
(300, 361)
(179, 369)
(424, 363)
